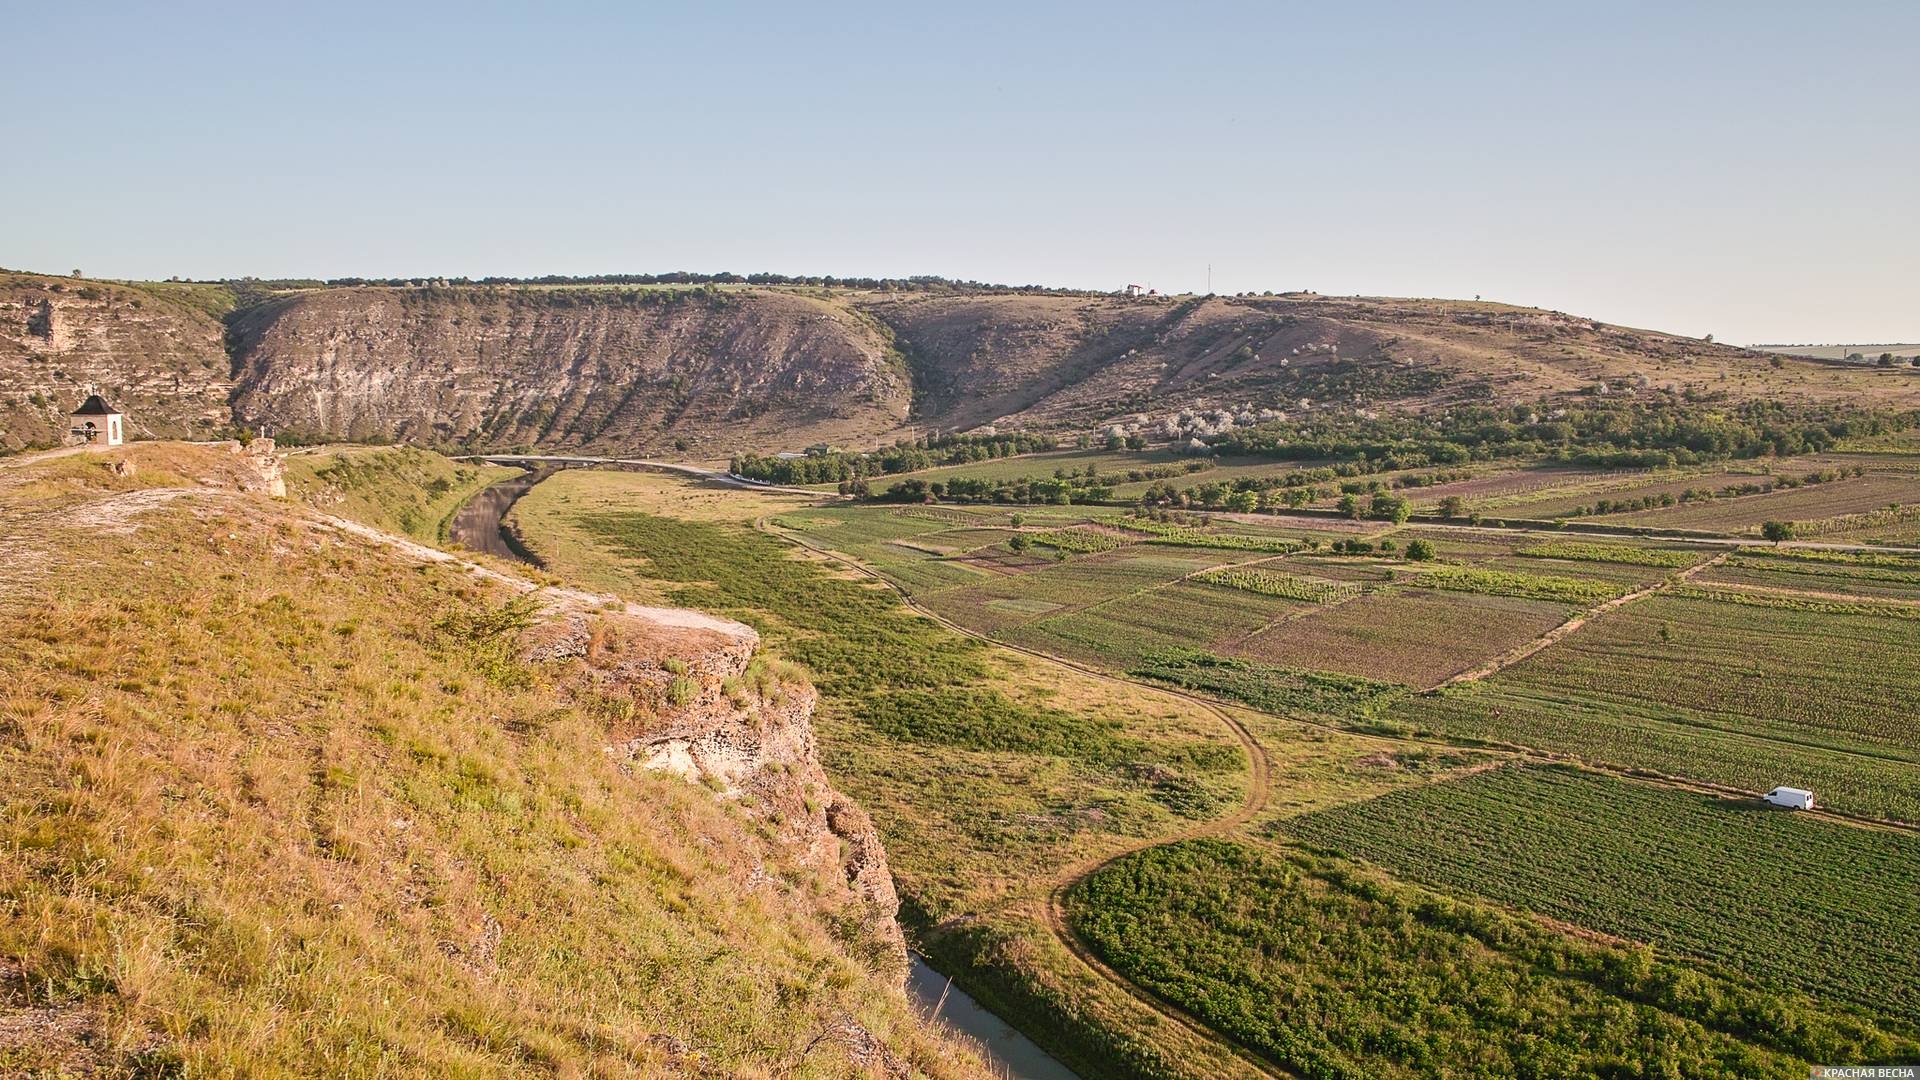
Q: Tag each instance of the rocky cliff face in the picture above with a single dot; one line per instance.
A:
(158, 359)
(686, 695)
(705, 373)
(592, 369)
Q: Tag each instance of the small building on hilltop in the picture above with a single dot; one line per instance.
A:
(1792, 798)
(97, 423)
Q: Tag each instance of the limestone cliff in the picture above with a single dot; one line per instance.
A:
(580, 368)
(152, 353)
(686, 695)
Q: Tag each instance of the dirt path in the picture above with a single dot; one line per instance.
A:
(1513, 656)
(1259, 790)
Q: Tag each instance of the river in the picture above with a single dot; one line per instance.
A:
(1011, 1054)
(477, 527)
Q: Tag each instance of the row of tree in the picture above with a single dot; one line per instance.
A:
(1641, 434)
(825, 466)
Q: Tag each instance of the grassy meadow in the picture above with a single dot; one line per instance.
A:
(985, 770)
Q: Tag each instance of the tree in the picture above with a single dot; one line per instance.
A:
(1886, 359)
(1777, 531)
(1392, 508)
(1452, 506)
(1420, 550)
(1349, 506)
(1243, 502)
(1018, 542)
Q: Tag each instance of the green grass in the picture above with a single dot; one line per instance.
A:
(892, 675)
(1267, 687)
(1611, 553)
(1731, 693)
(1791, 900)
(401, 489)
(977, 809)
(1334, 974)
(1339, 975)
(1275, 583)
(1565, 590)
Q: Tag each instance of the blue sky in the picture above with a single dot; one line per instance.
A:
(1750, 170)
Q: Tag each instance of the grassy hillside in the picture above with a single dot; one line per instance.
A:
(279, 801)
(400, 489)
(1061, 361)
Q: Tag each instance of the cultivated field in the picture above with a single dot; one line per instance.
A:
(990, 770)
(1332, 973)
(1825, 908)
(1746, 690)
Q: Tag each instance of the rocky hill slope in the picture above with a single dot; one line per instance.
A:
(589, 368)
(157, 349)
(291, 795)
(706, 372)
(1056, 362)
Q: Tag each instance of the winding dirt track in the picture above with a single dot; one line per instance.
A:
(1259, 789)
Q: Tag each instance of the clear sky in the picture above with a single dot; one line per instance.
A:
(1747, 169)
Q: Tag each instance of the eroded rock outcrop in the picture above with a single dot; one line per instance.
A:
(694, 699)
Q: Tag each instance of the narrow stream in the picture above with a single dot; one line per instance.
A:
(1010, 1053)
(477, 526)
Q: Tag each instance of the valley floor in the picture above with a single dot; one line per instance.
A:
(1141, 778)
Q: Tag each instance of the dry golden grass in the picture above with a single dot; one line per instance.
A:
(268, 812)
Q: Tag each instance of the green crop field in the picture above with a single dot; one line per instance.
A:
(1288, 586)
(1737, 693)
(1864, 582)
(1628, 554)
(1814, 502)
(1564, 590)
(1826, 908)
(1416, 637)
(1332, 974)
